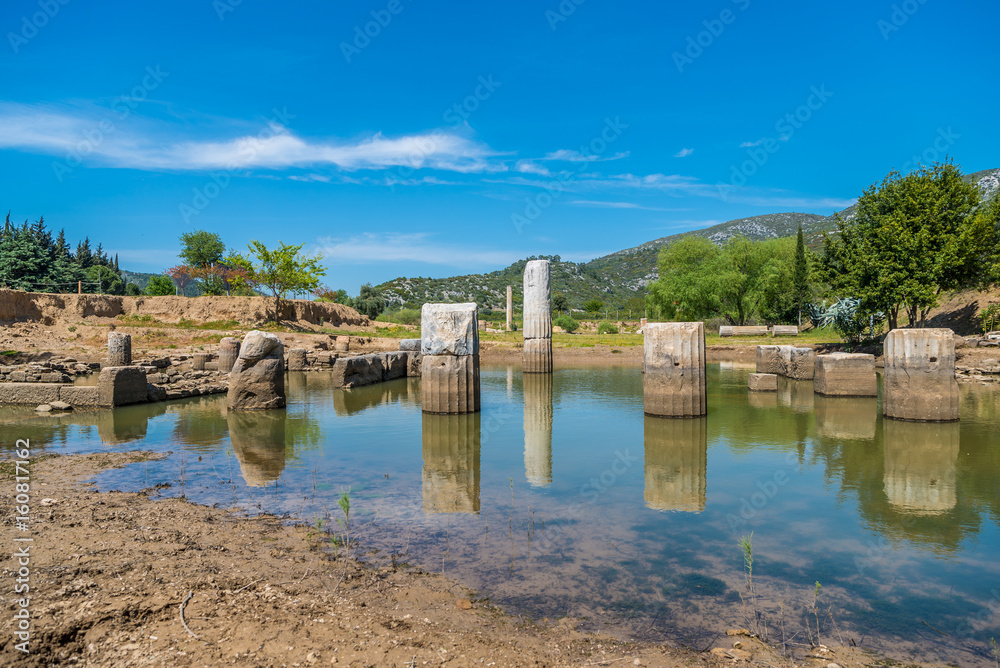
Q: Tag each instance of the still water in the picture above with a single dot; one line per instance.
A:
(562, 499)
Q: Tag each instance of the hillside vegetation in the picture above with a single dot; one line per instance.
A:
(616, 278)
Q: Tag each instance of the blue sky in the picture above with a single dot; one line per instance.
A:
(459, 137)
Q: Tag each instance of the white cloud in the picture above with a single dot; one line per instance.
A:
(565, 155)
(751, 144)
(684, 152)
(64, 133)
(614, 205)
(529, 167)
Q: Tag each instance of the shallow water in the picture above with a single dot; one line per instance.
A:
(562, 499)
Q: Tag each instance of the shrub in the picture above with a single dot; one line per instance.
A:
(406, 316)
(606, 328)
(567, 323)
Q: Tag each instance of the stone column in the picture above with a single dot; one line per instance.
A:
(229, 350)
(920, 375)
(537, 318)
(797, 363)
(846, 375)
(920, 466)
(510, 309)
(538, 428)
(119, 349)
(451, 452)
(676, 463)
(769, 360)
(674, 369)
(198, 361)
(257, 381)
(449, 365)
(297, 359)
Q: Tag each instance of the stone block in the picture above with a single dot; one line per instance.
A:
(798, 363)
(413, 363)
(198, 361)
(676, 463)
(229, 351)
(394, 365)
(450, 383)
(28, 394)
(769, 359)
(297, 360)
(674, 369)
(358, 371)
(119, 349)
(785, 330)
(919, 379)
(257, 381)
(410, 345)
(537, 355)
(748, 330)
(121, 386)
(537, 318)
(846, 375)
(79, 396)
(762, 382)
(449, 329)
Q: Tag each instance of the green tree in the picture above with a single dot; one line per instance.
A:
(201, 249)
(283, 271)
(593, 306)
(911, 237)
(369, 301)
(568, 323)
(559, 302)
(109, 281)
(160, 286)
(800, 276)
(686, 289)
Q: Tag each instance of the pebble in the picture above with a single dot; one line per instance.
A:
(44, 408)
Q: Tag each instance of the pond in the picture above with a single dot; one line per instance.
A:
(562, 499)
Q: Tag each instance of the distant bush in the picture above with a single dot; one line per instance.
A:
(567, 323)
(406, 316)
(606, 328)
(160, 286)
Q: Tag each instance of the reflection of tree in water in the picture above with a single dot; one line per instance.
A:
(676, 456)
(451, 449)
(538, 428)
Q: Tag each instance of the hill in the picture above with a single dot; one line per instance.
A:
(620, 276)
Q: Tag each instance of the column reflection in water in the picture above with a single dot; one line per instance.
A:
(451, 463)
(920, 465)
(676, 462)
(846, 417)
(127, 423)
(258, 440)
(538, 428)
(796, 394)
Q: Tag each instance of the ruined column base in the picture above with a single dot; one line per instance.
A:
(537, 356)
(450, 383)
(919, 382)
(297, 360)
(846, 375)
(451, 452)
(798, 363)
(769, 359)
(673, 380)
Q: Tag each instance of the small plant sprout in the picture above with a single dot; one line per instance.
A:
(756, 619)
(345, 523)
(815, 609)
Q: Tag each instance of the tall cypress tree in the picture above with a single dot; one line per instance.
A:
(800, 275)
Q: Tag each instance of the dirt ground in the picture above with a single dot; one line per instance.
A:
(123, 579)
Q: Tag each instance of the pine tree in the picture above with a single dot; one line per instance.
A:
(800, 275)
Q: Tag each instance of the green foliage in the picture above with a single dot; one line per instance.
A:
(282, 271)
(560, 303)
(30, 259)
(132, 290)
(201, 249)
(741, 281)
(107, 280)
(850, 321)
(911, 237)
(988, 317)
(593, 306)
(800, 275)
(607, 328)
(369, 301)
(567, 323)
(405, 316)
(160, 286)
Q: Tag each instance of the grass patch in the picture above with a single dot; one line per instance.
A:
(10, 353)
(146, 320)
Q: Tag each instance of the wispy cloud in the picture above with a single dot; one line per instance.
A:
(565, 155)
(684, 152)
(751, 144)
(614, 205)
(529, 167)
(60, 132)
